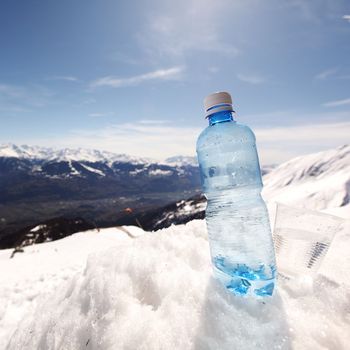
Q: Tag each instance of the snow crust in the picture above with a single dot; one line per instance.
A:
(155, 291)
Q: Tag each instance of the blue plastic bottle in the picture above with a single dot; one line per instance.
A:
(238, 225)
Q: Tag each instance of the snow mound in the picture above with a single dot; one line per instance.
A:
(156, 292)
(317, 181)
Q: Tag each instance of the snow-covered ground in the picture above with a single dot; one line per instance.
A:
(127, 289)
(108, 290)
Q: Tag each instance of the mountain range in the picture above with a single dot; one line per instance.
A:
(39, 183)
(37, 153)
(84, 188)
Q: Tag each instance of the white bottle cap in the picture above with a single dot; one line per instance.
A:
(217, 102)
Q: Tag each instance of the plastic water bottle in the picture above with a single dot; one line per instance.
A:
(238, 225)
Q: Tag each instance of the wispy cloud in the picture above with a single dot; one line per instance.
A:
(123, 57)
(160, 140)
(290, 117)
(178, 29)
(10, 90)
(344, 77)
(153, 121)
(63, 77)
(174, 73)
(13, 109)
(337, 103)
(326, 73)
(147, 138)
(333, 73)
(307, 9)
(278, 144)
(213, 69)
(316, 11)
(251, 79)
(347, 18)
(98, 115)
(23, 96)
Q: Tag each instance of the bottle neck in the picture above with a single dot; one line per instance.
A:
(220, 117)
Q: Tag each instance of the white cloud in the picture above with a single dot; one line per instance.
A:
(213, 69)
(14, 96)
(174, 73)
(345, 77)
(309, 133)
(326, 74)
(97, 115)
(251, 79)
(337, 103)
(88, 101)
(153, 121)
(331, 73)
(13, 109)
(316, 11)
(347, 18)
(307, 9)
(10, 91)
(278, 144)
(64, 77)
(145, 138)
(161, 140)
(176, 29)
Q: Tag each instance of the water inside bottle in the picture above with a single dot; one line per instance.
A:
(240, 243)
(237, 220)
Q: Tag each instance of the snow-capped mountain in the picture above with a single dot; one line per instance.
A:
(10, 150)
(86, 183)
(67, 163)
(317, 181)
(100, 191)
(67, 154)
(182, 160)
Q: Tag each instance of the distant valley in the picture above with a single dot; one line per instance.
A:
(46, 195)
(38, 184)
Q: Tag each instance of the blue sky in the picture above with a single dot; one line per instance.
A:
(130, 77)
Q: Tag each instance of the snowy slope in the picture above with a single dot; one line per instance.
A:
(42, 268)
(156, 292)
(318, 181)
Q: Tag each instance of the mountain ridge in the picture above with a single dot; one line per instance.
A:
(33, 191)
(10, 150)
(38, 184)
